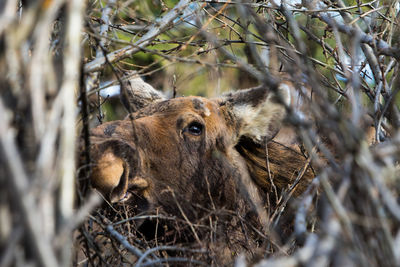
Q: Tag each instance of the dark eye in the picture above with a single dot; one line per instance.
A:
(195, 128)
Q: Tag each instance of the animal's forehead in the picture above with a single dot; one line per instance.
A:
(179, 105)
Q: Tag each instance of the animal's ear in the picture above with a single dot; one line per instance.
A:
(258, 112)
(136, 94)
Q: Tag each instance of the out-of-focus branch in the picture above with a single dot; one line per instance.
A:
(24, 198)
(382, 47)
(39, 76)
(8, 15)
(72, 61)
(262, 77)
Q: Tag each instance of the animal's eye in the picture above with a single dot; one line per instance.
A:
(195, 128)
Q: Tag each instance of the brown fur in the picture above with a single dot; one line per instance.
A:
(191, 157)
(151, 153)
(270, 165)
(152, 159)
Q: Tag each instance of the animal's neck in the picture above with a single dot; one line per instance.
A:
(277, 165)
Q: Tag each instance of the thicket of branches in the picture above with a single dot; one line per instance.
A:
(58, 59)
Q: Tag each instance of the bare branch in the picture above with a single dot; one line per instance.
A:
(145, 40)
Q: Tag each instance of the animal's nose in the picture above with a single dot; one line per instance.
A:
(109, 176)
(113, 162)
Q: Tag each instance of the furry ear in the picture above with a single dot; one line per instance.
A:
(136, 94)
(258, 112)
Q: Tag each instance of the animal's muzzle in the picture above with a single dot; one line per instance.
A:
(115, 163)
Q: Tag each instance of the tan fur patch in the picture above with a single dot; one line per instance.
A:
(110, 169)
